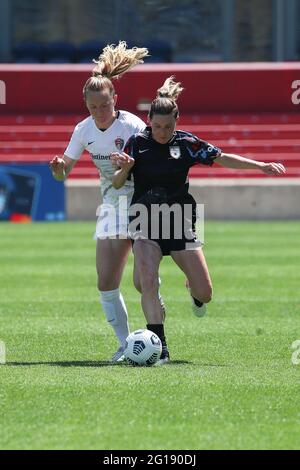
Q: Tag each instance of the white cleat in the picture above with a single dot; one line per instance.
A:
(164, 358)
(162, 361)
(118, 355)
(198, 311)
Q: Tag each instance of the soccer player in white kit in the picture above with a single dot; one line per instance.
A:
(107, 130)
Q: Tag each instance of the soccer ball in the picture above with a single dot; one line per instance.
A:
(143, 348)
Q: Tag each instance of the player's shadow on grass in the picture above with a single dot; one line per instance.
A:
(66, 363)
(83, 363)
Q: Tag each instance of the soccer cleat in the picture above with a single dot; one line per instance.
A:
(164, 358)
(198, 308)
(118, 355)
(198, 311)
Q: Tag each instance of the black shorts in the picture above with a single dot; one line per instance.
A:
(171, 224)
(166, 246)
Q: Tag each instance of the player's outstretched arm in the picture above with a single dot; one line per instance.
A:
(125, 163)
(61, 167)
(242, 163)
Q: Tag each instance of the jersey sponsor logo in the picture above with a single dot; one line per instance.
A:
(175, 152)
(89, 143)
(100, 157)
(142, 151)
(119, 143)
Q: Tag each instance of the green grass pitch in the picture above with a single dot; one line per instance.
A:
(231, 383)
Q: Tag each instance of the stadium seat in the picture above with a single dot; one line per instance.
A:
(27, 60)
(34, 137)
(154, 59)
(28, 52)
(59, 60)
(159, 50)
(86, 60)
(59, 52)
(89, 50)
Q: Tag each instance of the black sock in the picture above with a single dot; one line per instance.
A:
(197, 302)
(158, 329)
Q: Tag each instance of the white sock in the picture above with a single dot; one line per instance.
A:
(116, 314)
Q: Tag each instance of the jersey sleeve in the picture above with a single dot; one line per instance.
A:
(139, 126)
(75, 147)
(130, 147)
(200, 151)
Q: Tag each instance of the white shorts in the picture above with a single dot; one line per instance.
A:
(113, 213)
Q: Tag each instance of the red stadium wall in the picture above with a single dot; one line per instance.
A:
(226, 88)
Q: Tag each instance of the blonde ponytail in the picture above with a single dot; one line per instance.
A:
(116, 60)
(113, 62)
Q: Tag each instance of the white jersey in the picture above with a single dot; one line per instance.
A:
(100, 144)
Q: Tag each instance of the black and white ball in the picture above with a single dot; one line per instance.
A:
(143, 348)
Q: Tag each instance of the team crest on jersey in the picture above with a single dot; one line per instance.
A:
(175, 152)
(119, 143)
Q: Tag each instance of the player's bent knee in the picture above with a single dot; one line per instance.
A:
(207, 296)
(204, 296)
(206, 299)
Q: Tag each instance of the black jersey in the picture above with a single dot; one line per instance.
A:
(166, 165)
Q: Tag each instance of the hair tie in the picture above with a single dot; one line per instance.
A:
(97, 74)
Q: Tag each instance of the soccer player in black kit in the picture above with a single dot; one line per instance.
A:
(159, 159)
